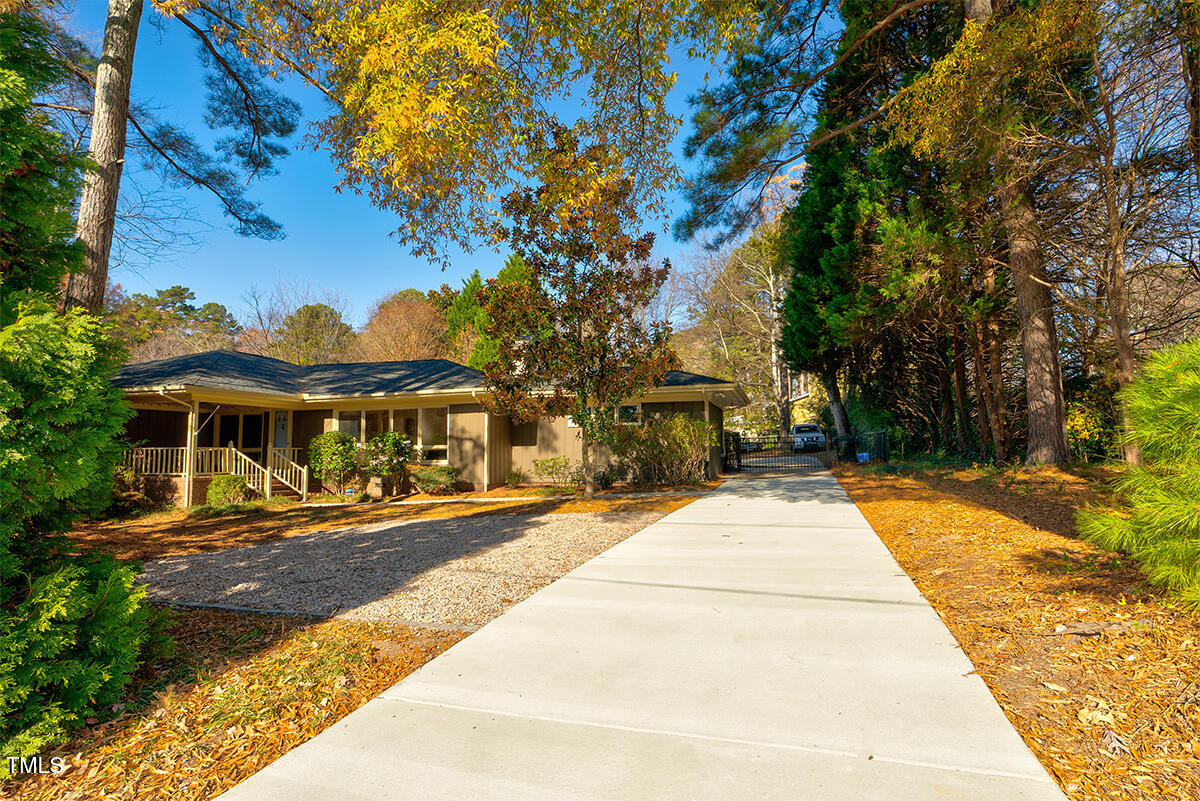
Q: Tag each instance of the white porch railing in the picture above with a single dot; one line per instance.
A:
(156, 461)
(283, 467)
(257, 477)
(212, 461)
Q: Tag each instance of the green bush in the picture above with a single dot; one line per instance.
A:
(435, 479)
(515, 478)
(73, 628)
(227, 491)
(334, 458)
(558, 470)
(387, 455)
(670, 451)
(1158, 522)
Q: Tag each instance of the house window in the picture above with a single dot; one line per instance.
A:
(524, 435)
(404, 421)
(227, 431)
(350, 423)
(434, 427)
(376, 423)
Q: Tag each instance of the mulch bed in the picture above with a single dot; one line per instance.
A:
(242, 690)
(1099, 673)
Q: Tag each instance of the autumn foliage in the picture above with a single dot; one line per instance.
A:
(572, 338)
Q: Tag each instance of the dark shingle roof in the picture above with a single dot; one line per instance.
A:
(250, 373)
(370, 378)
(216, 369)
(682, 378)
(232, 370)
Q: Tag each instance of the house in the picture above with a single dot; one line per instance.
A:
(228, 412)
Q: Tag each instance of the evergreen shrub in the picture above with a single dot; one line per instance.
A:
(227, 490)
(1158, 519)
(387, 455)
(558, 470)
(334, 458)
(435, 479)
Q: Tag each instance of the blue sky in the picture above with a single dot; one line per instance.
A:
(334, 241)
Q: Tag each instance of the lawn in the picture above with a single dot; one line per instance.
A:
(1099, 673)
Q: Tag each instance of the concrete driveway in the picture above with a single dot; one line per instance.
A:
(760, 643)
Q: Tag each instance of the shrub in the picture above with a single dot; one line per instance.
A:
(386, 456)
(334, 457)
(127, 496)
(435, 479)
(558, 470)
(1157, 523)
(672, 450)
(515, 478)
(73, 628)
(227, 491)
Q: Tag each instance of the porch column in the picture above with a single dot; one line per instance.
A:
(189, 458)
(487, 450)
(269, 453)
(708, 422)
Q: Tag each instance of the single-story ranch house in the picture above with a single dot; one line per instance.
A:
(227, 412)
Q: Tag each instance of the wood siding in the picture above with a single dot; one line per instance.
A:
(554, 438)
(158, 429)
(306, 425)
(499, 448)
(466, 424)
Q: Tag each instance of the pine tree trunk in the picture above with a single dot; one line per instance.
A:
(110, 114)
(983, 400)
(1039, 339)
(589, 475)
(977, 10)
(946, 415)
(959, 367)
(1001, 437)
(841, 420)
(1118, 310)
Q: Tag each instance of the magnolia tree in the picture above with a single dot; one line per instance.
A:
(572, 339)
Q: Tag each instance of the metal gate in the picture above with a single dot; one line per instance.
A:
(771, 454)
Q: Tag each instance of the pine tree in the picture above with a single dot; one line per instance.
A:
(1158, 521)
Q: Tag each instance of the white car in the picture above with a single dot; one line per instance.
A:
(807, 437)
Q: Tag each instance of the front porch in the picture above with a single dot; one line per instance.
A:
(169, 473)
(182, 442)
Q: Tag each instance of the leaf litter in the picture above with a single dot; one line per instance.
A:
(1099, 673)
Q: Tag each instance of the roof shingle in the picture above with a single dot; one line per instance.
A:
(246, 372)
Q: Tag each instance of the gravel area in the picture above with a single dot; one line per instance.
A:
(459, 572)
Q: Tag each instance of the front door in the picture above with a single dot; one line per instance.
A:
(281, 430)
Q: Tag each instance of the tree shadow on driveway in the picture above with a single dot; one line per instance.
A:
(328, 572)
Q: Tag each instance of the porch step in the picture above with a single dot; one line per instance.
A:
(279, 488)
